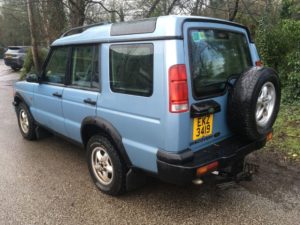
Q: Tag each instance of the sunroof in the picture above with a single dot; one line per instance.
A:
(134, 27)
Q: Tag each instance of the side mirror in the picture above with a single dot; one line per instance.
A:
(32, 78)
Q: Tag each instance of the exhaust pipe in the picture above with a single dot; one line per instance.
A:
(197, 181)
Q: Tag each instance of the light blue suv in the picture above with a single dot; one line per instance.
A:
(176, 97)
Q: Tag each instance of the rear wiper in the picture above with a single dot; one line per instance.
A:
(229, 80)
(232, 78)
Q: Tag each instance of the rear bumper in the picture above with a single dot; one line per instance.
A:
(181, 168)
(14, 62)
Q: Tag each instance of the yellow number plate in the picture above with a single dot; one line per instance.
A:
(203, 126)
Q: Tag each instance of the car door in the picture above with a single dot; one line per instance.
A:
(216, 55)
(47, 107)
(81, 93)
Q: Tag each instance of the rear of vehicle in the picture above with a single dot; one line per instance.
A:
(204, 134)
(14, 57)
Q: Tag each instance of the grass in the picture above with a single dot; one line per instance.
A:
(286, 137)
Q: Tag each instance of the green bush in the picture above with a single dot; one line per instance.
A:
(2, 50)
(291, 85)
(279, 47)
(28, 66)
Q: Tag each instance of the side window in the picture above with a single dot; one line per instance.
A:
(85, 67)
(131, 69)
(55, 70)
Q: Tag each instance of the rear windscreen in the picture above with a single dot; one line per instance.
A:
(13, 48)
(16, 49)
(215, 56)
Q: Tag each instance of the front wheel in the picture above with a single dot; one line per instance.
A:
(105, 165)
(26, 122)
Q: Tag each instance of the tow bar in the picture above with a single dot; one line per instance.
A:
(236, 174)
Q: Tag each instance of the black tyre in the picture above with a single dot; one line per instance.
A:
(107, 169)
(26, 122)
(254, 102)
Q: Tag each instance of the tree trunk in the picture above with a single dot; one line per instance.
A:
(45, 21)
(195, 8)
(77, 12)
(32, 26)
(152, 8)
(113, 14)
(235, 10)
(171, 7)
(122, 16)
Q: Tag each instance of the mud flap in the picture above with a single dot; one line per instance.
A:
(135, 179)
(41, 133)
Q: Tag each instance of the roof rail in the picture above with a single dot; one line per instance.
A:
(77, 30)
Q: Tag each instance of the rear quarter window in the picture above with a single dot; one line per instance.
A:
(131, 69)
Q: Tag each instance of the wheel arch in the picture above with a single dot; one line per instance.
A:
(18, 99)
(94, 125)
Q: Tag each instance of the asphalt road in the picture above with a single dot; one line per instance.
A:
(47, 182)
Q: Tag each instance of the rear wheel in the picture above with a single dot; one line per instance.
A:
(107, 169)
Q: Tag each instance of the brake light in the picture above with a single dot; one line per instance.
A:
(178, 89)
(258, 63)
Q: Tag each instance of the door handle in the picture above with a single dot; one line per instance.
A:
(56, 94)
(89, 101)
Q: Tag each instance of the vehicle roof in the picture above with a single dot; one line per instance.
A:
(18, 46)
(153, 28)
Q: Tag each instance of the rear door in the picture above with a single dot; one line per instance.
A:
(132, 99)
(216, 55)
(82, 90)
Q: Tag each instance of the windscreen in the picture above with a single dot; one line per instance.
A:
(215, 56)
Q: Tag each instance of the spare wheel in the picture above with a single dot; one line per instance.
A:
(253, 103)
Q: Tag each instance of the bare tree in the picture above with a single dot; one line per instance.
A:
(113, 10)
(197, 7)
(171, 7)
(53, 19)
(152, 8)
(76, 10)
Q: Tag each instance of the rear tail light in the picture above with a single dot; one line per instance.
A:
(258, 63)
(178, 89)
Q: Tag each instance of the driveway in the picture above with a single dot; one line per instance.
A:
(47, 182)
